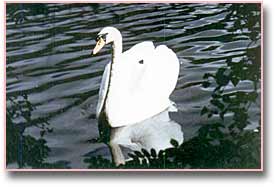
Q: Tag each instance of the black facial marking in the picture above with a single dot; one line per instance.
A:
(141, 62)
(101, 36)
(98, 38)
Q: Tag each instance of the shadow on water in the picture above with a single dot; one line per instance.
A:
(52, 85)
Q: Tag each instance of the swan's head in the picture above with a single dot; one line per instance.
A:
(105, 36)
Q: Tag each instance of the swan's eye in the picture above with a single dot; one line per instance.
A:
(141, 62)
(98, 38)
(101, 36)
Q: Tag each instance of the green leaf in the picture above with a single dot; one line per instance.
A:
(174, 143)
(206, 84)
(139, 154)
(132, 155)
(221, 78)
(235, 80)
(145, 152)
(204, 110)
(161, 154)
(210, 114)
(217, 103)
(153, 153)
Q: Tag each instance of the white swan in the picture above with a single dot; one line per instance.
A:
(136, 84)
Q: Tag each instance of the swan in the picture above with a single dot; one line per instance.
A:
(136, 85)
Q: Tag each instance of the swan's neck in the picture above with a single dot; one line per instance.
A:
(117, 48)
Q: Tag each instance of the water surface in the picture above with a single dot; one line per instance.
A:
(48, 60)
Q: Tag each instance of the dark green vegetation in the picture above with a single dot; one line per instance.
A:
(35, 83)
(25, 149)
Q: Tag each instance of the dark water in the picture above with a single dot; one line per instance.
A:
(48, 61)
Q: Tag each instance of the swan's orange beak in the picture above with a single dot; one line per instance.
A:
(99, 45)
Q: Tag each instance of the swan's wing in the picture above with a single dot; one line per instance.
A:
(166, 69)
(103, 89)
(157, 76)
(142, 89)
(159, 80)
(155, 79)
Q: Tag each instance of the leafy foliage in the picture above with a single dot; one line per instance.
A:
(26, 150)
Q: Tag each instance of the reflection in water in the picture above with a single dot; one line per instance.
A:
(153, 133)
(48, 60)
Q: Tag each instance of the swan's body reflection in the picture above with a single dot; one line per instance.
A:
(134, 102)
(155, 132)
